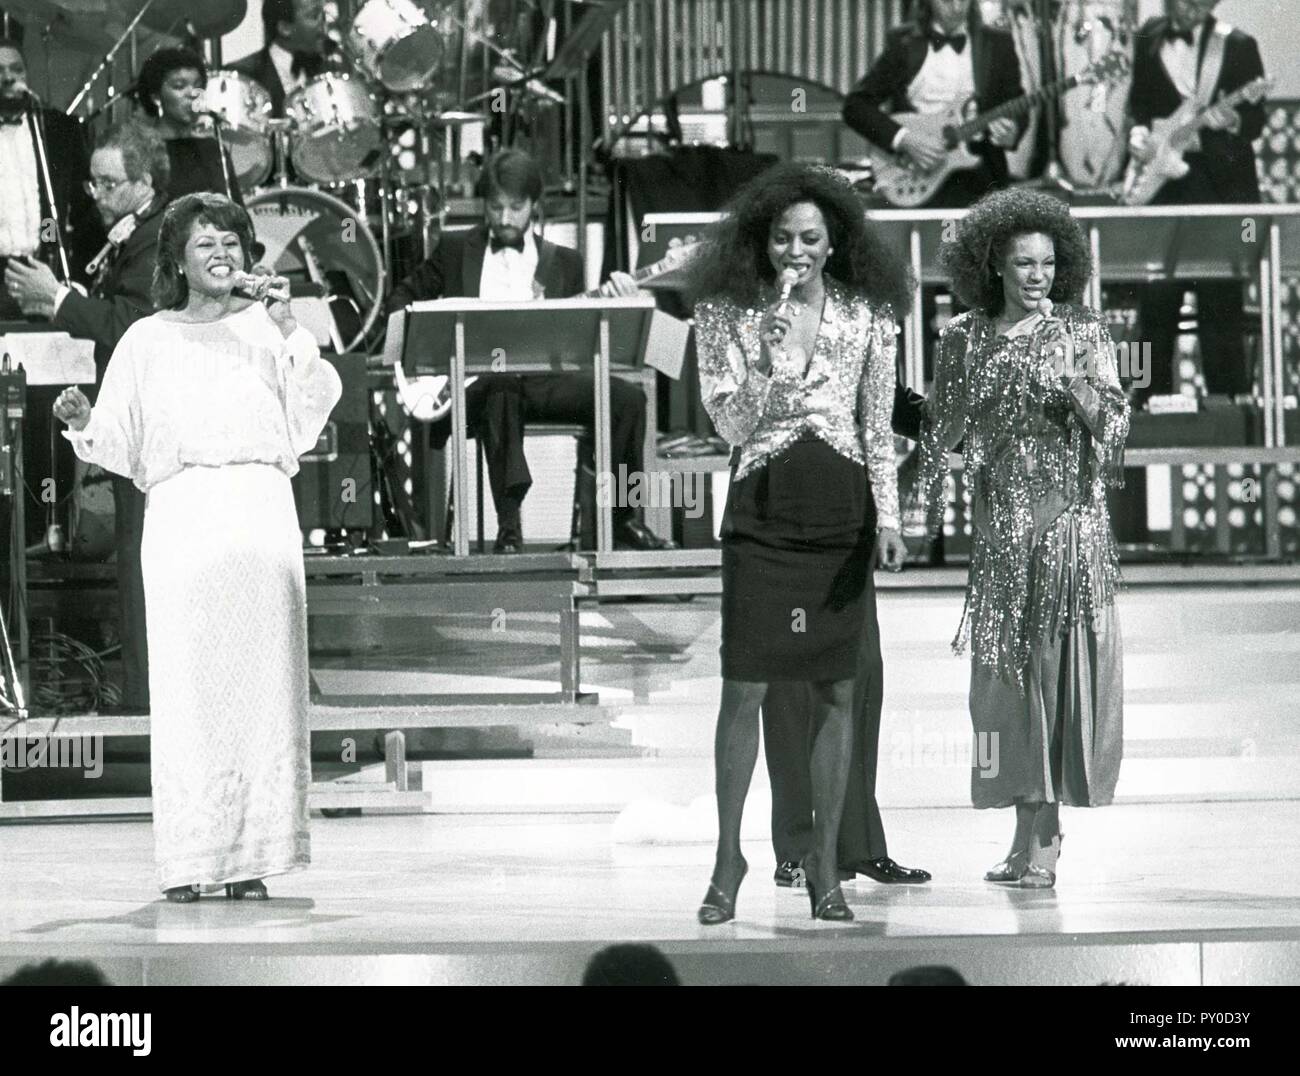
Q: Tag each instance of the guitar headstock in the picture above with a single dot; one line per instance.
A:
(1116, 64)
(1255, 91)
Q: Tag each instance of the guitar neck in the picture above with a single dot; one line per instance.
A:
(640, 275)
(1017, 106)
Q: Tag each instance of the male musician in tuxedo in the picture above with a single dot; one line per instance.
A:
(505, 260)
(1174, 54)
(944, 56)
(25, 217)
(128, 181)
(788, 712)
(294, 53)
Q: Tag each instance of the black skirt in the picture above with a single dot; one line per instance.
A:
(796, 552)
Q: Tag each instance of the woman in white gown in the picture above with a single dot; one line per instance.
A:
(206, 406)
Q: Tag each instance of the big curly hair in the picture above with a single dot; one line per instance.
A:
(984, 236)
(733, 263)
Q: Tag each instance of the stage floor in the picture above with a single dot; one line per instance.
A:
(1147, 893)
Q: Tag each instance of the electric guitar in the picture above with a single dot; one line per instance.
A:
(428, 398)
(906, 184)
(1176, 134)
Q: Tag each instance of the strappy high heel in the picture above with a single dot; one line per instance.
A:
(722, 910)
(251, 890)
(832, 905)
(1011, 869)
(182, 894)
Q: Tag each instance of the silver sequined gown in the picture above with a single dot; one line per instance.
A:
(1047, 687)
(796, 547)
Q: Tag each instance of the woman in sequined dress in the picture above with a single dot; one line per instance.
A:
(1029, 379)
(804, 388)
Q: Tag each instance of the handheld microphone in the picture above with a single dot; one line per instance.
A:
(789, 277)
(262, 287)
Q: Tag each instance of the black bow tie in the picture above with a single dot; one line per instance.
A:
(307, 63)
(1180, 35)
(938, 40)
(498, 244)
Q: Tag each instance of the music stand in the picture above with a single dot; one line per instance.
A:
(555, 336)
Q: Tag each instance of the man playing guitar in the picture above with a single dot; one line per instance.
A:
(505, 260)
(1174, 55)
(944, 57)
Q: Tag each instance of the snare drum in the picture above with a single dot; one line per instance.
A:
(245, 111)
(396, 43)
(338, 135)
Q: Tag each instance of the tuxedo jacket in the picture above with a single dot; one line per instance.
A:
(123, 295)
(883, 89)
(69, 161)
(457, 264)
(1223, 170)
(454, 272)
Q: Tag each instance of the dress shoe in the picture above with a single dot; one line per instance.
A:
(885, 870)
(789, 875)
(633, 534)
(508, 542)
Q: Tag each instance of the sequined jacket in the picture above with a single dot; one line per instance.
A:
(845, 397)
(1039, 453)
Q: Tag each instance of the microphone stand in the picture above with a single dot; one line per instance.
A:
(42, 158)
(112, 55)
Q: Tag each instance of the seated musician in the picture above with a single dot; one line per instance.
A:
(295, 49)
(169, 88)
(1172, 56)
(945, 56)
(505, 260)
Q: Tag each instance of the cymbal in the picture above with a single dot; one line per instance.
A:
(86, 25)
(212, 18)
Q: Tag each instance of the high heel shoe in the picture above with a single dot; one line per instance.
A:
(182, 894)
(831, 906)
(1036, 877)
(1011, 869)
(722, 910)
(251, 890)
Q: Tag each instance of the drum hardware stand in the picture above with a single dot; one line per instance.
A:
(13, 695)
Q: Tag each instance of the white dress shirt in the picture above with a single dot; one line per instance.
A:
(1180, 60)
(20, 199)
(946, 78)
(509, 274)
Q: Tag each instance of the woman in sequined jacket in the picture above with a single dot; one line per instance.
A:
(803, 383)
(1029, 379)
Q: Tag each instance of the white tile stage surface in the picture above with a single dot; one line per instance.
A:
(526, 867)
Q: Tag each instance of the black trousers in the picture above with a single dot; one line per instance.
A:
(498, 407)
(1220, 329)
(787, 747)
(128, 529)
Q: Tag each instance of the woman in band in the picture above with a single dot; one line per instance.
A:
(795, 332)
(1028, 378)
(169, 89)
(207, 405)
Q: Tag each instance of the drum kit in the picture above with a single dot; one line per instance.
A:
(322, 181)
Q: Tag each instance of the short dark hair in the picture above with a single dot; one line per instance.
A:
(984, 236)
(275, 12)
(732, 261)
(159, 67)
(629, 965)
(513, 172)
(143, 150)
(57, 972)
(170, 289)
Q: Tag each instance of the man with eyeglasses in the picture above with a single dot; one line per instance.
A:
(129, 175)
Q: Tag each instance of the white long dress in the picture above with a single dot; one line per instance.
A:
(209, 420)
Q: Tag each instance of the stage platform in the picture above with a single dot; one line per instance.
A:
(1155, 894)
(519, 869)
